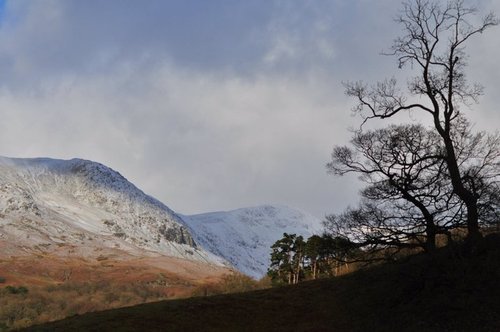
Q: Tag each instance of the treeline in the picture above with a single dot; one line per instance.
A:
(294, 259)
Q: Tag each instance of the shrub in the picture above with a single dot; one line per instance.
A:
(16, 290)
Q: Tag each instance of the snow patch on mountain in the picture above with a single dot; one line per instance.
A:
(244, 236)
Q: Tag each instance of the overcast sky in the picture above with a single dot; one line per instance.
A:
(205, 105)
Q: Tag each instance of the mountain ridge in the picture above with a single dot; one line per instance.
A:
(87, 198)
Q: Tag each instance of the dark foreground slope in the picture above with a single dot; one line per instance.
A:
(453, 291)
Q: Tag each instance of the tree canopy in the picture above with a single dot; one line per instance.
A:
(294, 259)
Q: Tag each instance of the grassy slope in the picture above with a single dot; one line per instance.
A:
(450, 292)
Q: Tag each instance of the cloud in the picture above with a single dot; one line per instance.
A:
(55, 36)
(204, 106)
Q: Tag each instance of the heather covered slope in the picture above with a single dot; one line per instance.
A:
(35, 290)
(455, 290)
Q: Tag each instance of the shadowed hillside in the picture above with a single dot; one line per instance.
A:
(455, 290)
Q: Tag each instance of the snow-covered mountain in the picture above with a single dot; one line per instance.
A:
(81, 208)
(244, 236)
(50, 204)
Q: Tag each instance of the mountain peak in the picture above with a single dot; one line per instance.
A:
(244, 236)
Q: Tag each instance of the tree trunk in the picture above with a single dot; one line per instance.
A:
(461, 191)
(430, 225)
(430, 241)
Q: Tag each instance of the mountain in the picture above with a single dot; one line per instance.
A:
(79, 206)
(244, 236)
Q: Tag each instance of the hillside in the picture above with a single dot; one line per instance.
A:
(455, 290)
(244, 236)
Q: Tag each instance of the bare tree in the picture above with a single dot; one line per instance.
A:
(433, 41)
(409, 200)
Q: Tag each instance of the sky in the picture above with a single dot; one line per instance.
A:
(206, 105)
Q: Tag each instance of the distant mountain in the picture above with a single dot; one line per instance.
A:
(243, 237)
(83, 206)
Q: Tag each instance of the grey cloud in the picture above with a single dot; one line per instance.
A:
(57, 36)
